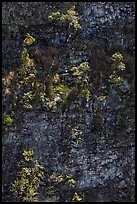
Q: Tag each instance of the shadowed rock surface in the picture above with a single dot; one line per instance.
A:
(100, 153)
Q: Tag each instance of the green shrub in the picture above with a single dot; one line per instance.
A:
(80, 73)
(26, 61)
(26, 99)
(85, 94)
(25, 186)
(62, 90)
(76, 197)
(69, 18)
(57, 183)
(29, 39)
(28, 79)
(115, 80)
(7, 120)
(117, 66)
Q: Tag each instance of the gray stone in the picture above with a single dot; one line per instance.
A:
(98, 157)
(122, 184)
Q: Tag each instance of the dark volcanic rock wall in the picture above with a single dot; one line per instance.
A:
(100, 159)
(100, 20)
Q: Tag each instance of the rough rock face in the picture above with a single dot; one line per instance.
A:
(100, 156)
(94, 13)
(101, 21)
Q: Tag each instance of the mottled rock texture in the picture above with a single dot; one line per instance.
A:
(100, 156)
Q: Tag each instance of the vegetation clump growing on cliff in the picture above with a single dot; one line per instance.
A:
(25, 186)
(31, 174)
(7, 120)
(58, 183)
(117, 66)
(41, 82)
(76, 197)
(70, 18)
(29, 39)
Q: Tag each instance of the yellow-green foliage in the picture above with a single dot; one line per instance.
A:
(27, 98)
(85, 93)
(27, 106)
(52, 104)
(115, 80)
(27, 80)
(52, 91)
(76, 198)
(117, 56)
(64, 93)
(56, 178)
(25, 186)
(27, 62)
(121, 66)
(117, 66)
(80, 72)
(57, 91)
(28, 155)
(29, 39)
(72, 181)
(117, 62)
(84, 66)
(70, 17)
(7, 120)
(55, 15)
(60, 182)
(62, 90)
(28, 95)
(42, 96)
(25, 55)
